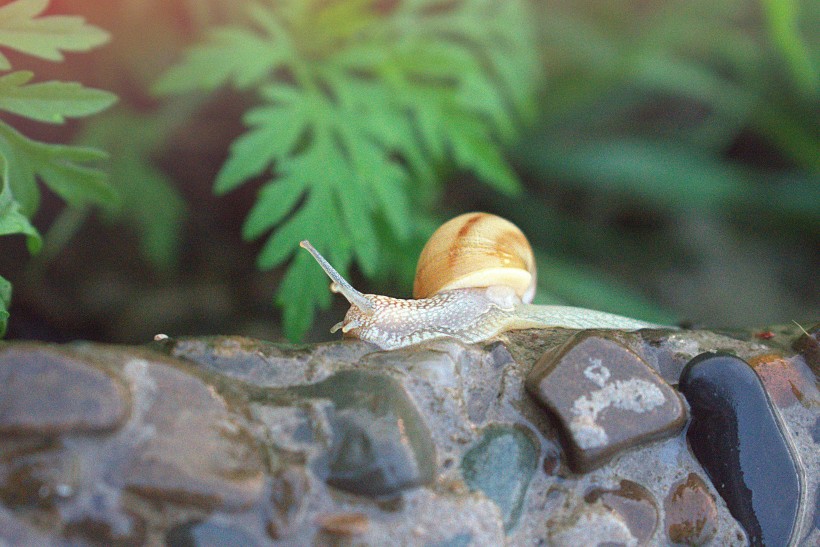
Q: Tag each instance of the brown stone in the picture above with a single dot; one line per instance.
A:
(604, 397)
(787, 381)
(691, 512)
(344, 524)
(808, 344)
(186, 445)
(44, 391)
(634, 504)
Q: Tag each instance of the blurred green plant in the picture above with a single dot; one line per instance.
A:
(671, 110)
(65, 170)
(664, 92)
(364, 105)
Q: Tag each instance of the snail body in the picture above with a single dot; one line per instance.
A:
(475, 279)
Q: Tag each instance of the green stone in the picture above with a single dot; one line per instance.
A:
(501, 465)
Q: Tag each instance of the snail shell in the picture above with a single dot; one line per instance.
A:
(476, 250)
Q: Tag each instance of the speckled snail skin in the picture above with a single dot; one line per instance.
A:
(475, 279)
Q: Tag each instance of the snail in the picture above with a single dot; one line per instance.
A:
(475, 279)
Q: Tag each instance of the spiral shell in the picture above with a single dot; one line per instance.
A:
(476, 250)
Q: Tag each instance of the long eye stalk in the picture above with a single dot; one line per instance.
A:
(341, 285)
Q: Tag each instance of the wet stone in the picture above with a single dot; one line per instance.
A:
(633, 503)
(46, 392)
(591, 524)
(736, 437)
(788, 381)
(691, 512)
(289, 493)
(501, 465)
(460, 540)
(207, 534)
(808, 345)
(187, 447)
(380, 444)
(604, 397)
(344, 524)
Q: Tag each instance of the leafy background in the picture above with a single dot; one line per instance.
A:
(661, 156)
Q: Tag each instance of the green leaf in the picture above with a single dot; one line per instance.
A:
(149, 200)
(275, 201)
(782, 19)
(12, 221)
(665, 174)
(5, 303)
(232, 55)
(44, 37)
(301, 291)
(50, 102)
(62, 168)
(473, 149)
(275, 132)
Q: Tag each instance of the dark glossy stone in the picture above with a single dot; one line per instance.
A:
(736, 436)
(604, 397)
(45, 391)
(380, 442)
(633, 503)
(207, 534)
(501, 465)
(691, 512)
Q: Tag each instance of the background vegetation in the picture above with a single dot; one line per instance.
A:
(662, 156)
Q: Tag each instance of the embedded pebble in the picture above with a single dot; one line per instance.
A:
(633, 503)
(788, 381)
(736, 436)
(605, 398)
(289, 494)
(501, 465)
(45, 391)
(591, 524)
(344, 524)
(207, 534)
(691, 513)
(186, 444)
(380, 444)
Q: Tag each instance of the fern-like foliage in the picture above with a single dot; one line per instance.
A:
(362, 104)
(63, 169)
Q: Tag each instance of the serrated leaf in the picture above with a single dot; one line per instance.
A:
(50, 102)
(5, 303)
(60, 167)
(473, 149)
(275, 201)
(274, 133)
(232, 55)
(300, 293)
(281, 244)
(12, 221)
(45, 37)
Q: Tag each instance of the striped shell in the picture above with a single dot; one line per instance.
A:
(476, 250)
